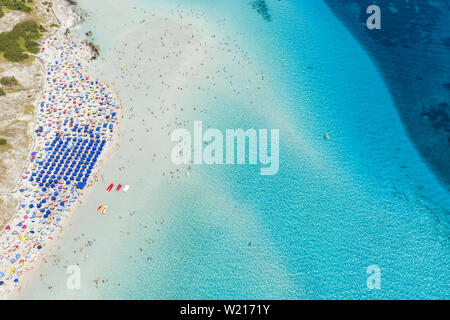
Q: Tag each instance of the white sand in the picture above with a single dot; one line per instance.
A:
(170, 68)
(32, 260)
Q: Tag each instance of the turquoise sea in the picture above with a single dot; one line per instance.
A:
(364, 197)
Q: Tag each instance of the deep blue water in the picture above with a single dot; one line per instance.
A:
(412, 52)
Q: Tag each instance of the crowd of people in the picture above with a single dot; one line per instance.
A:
(75, 120)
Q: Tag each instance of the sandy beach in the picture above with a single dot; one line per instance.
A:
(73, 108)
(170, 65)
(188, 58)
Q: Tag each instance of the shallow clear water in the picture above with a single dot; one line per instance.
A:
(335, 207)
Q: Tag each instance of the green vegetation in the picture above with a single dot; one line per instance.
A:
(16, 5)
(32, 46)
(28, 109)
(3, 142)
(9, 81)
(2, 92)
(11, 42)
(1, 12)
